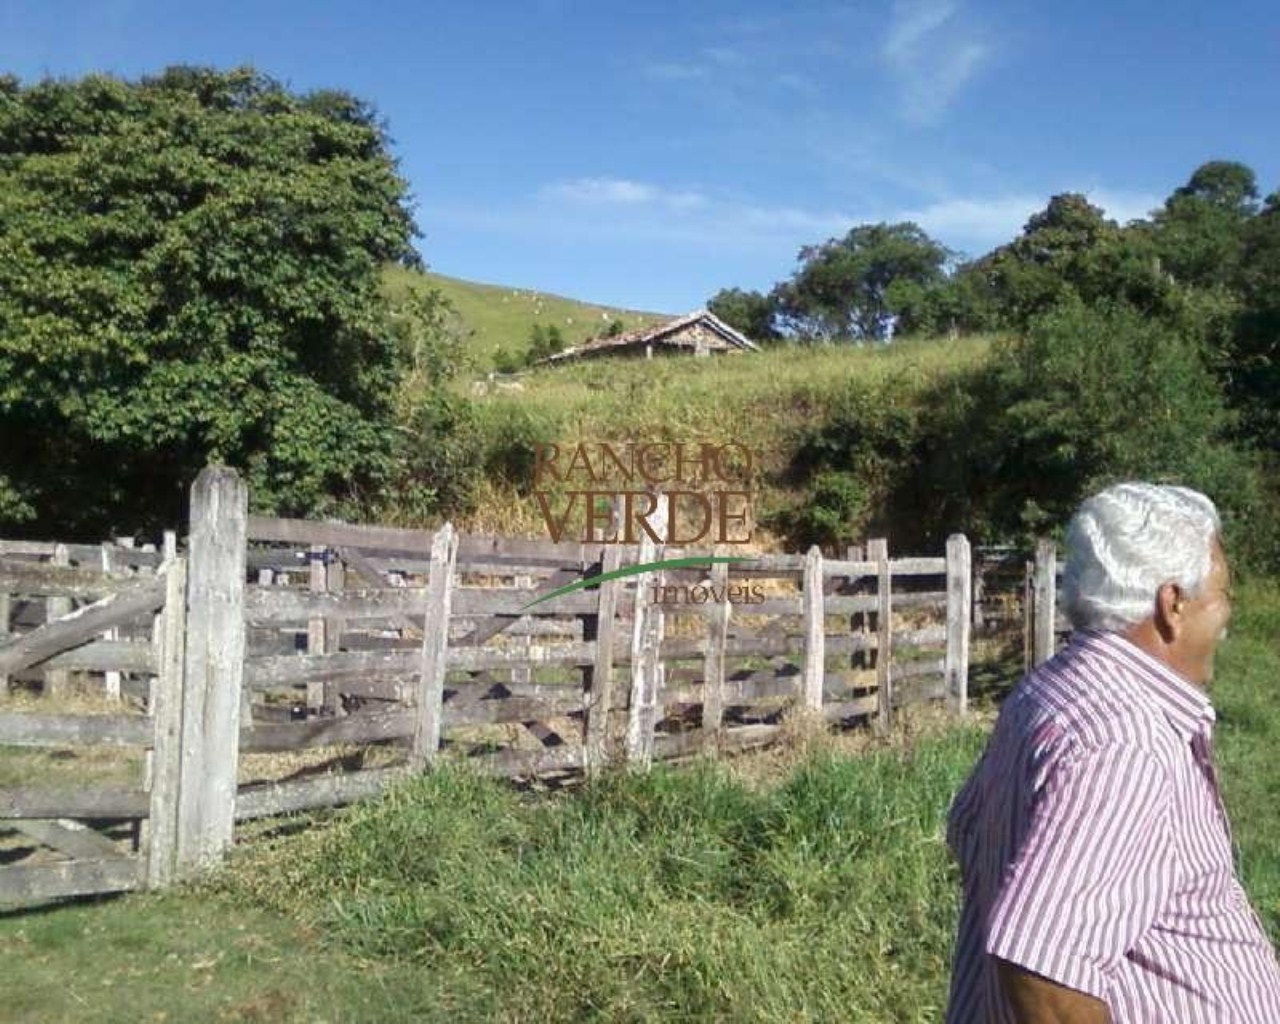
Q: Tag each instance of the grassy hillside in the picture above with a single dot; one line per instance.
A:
(500, 318)
(766, 400)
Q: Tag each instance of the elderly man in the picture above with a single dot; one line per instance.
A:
(1093, 844)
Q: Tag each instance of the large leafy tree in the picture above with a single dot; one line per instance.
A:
(189, 271)
(1198, 231)
(747, 311)
(841, 289)
(1252, 369)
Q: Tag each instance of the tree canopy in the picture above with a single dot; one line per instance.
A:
(189, 271)
(841, 288)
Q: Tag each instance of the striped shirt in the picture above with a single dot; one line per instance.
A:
(1095, 851)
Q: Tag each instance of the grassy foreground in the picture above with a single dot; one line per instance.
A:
(820, 890)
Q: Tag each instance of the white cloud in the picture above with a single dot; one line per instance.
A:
(622, 192)
(1123, 207)
(932, 54)
(977, 225)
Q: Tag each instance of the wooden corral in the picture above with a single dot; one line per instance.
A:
(268, 640)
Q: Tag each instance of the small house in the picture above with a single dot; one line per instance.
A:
(701, 334)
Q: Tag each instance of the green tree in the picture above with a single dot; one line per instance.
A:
(1251, 368)
(841, 289)
(1198, 233)
(544, 342)
(749, 312)
(189, 270)
(1089, 395)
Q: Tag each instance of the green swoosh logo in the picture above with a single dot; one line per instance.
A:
(635, 570)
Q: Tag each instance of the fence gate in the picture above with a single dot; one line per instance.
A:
(90, 657)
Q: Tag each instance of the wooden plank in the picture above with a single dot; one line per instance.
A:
(27, 548)
(741, 737)
(851, 569)
(527, 763)
(80, 626)
(214, 669)
(69, 837)
(307, 532)
(107, 656)
(508, 601)
(332, 790)
(1045, 600)
(512, 709)
(815, 657)
(299, 669)
(918, 567)
(376, 540)
(21, 884)
(79, 802)
(758, 686)
(959, 620)
(6, 621)
(857, 708)
(646, 660)
(317, 583)
(23, 730)
(878, 551)
(914, 669)
(61, 580)
(111, 679)
(57, 682)
(268, 606)
(165, 708)
(920, 692)
(435, 649)
(578, 653)
(366, 727)
(776, 606)
(264, 606)
(713, 659)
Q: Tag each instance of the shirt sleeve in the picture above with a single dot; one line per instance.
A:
(1092, 872)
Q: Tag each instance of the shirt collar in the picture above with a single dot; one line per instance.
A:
(1186, 706)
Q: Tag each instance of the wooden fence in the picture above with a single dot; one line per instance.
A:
(386, 651)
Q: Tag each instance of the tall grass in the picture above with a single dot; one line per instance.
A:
(765, 400)
(681, 894)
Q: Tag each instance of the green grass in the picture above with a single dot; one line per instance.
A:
(687, 894)
(500, 318)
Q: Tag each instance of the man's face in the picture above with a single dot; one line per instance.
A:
(1204, 619)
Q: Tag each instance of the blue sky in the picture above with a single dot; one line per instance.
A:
(647, 155)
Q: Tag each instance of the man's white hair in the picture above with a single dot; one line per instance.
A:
(1125, 543)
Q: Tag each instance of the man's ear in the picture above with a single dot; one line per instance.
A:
(1168, 617)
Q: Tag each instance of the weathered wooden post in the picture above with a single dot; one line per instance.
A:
(814, 634)
(1046, 592)
(165, 709)
(600, 694)
(57, 681)
(959, 621)
(213, 670)
(435, 649)
(111, 680)
(713, 661)
(317, 626)
(878, 552)
(646, 649)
